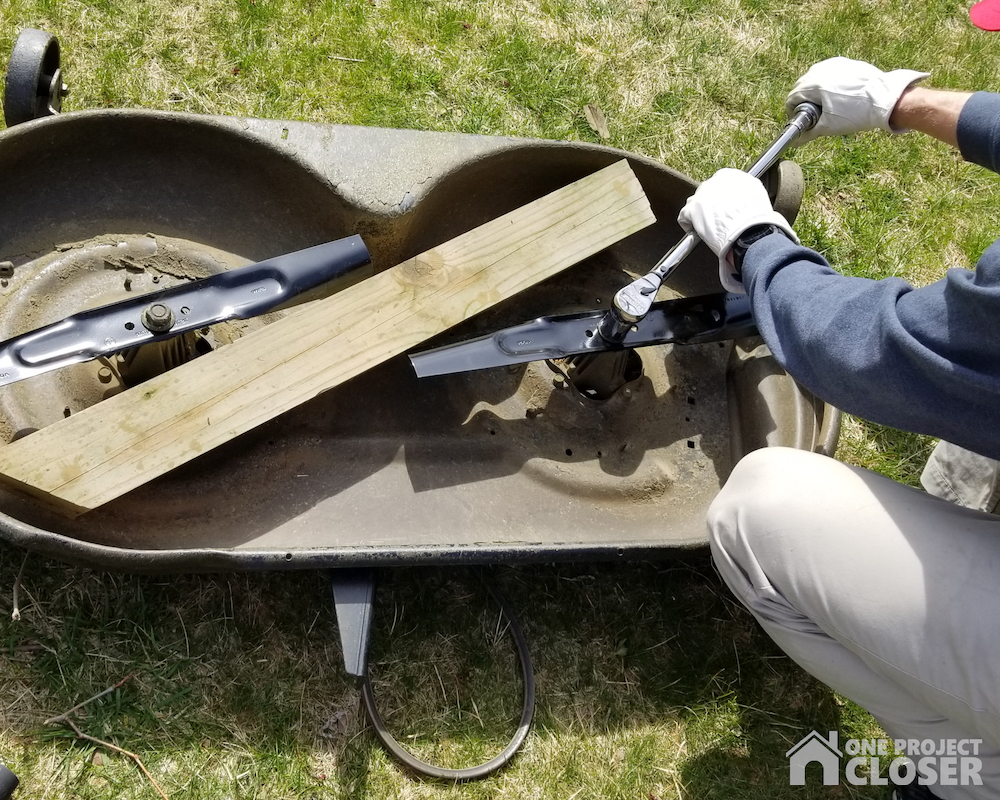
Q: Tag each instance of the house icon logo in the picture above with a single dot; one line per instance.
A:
(814, 747)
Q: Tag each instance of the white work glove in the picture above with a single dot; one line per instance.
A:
(854, 96)
(722, 208)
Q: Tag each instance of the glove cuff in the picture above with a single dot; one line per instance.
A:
(894, 84)
(730, 278)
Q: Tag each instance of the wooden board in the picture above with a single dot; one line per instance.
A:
(110, 448)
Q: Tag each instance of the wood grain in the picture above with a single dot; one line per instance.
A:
(108, 449)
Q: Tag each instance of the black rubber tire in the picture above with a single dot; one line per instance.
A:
(8, 783)
(31, 72)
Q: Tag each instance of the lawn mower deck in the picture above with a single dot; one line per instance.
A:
(506, 464)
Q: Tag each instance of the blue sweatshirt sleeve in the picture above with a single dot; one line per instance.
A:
(925, 360)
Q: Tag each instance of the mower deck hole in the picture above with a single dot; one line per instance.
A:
(691, 443)
(129, 326)
(284, 133)
(691, 401)
(569, 452)
(288, 556)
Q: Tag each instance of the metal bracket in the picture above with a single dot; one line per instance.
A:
(354, 601)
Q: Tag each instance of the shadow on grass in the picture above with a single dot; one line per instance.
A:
(651, 682)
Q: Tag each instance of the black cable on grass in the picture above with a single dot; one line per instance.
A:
(422, 768)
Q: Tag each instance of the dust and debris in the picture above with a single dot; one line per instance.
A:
(596, 120)
(337, 725)
(152, 254)
(125, 263)
(340, 724)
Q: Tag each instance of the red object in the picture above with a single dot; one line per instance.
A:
(986, 15)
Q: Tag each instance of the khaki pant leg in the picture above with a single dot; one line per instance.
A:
(963, 477)
(886, 594)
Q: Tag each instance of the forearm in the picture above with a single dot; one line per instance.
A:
(931, 111)
(922, 360)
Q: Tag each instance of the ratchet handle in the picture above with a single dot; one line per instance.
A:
(804, 118)
(633, 302)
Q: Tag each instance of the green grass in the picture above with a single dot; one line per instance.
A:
(652, 682)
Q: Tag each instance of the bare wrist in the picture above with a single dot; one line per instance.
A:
(914, 102)
(931, 111)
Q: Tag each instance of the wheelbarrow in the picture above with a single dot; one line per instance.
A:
(513, 464)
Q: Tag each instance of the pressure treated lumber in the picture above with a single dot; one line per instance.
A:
(104, 451)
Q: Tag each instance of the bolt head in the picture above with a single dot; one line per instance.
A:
(158, 318)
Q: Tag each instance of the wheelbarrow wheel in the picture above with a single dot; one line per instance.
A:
(8, 783)
(34, 86)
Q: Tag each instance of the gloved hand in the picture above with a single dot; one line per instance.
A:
(854, 96)
(722, 208)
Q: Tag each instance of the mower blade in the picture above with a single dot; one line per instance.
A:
(688, 320)
(235, 294)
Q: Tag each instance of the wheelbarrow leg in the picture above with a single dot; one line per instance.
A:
(354, 599)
